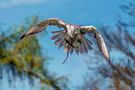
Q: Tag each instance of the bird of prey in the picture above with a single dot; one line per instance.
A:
(71, 37)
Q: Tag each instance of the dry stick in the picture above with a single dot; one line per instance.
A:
(66, 58)
(67, 52)
(69, 43)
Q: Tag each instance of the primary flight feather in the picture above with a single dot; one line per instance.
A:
(72, 37)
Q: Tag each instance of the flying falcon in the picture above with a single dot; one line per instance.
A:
(71, 37)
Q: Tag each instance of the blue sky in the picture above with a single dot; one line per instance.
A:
(82, 12)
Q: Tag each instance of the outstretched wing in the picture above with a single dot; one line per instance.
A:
(43, 25)
(100, 41)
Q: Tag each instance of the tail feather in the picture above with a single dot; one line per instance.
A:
(55, 32)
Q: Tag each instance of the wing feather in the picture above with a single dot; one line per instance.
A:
(102, 45)
(43, 25)
(100, 41)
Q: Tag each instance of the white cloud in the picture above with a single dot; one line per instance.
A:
(10, 3)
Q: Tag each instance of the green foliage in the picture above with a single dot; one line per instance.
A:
(24, 59)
